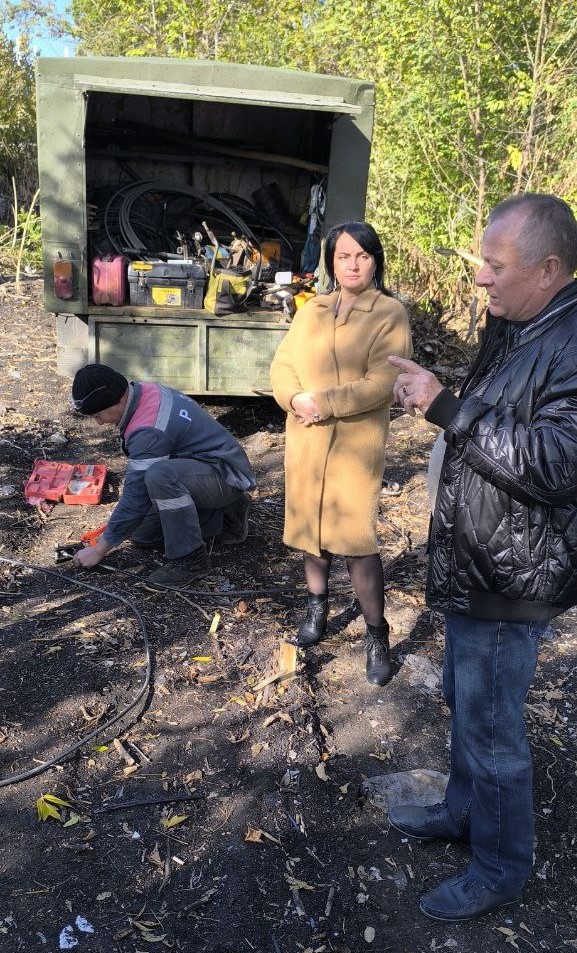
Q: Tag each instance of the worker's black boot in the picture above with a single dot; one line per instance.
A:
(378, 654)
(314, 626)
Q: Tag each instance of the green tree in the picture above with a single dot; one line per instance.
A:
(474, 101)
(17, 119)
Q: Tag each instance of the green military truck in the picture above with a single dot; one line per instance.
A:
(161, 179)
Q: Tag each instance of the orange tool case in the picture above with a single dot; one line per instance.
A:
(73, 483)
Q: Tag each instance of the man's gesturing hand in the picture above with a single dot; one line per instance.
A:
(414, 387)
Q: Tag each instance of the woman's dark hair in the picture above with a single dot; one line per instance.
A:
(366, 236)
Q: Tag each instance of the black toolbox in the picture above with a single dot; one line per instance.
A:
(167, 284)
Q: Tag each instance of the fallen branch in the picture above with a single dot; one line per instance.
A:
(144, 802)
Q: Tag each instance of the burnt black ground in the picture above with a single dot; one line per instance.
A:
(324, 868)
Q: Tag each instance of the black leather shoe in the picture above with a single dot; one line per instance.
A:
(378, 654)
(464, 898)
(314, 626)
(427, 823)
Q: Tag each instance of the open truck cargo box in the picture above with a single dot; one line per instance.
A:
(143, 158)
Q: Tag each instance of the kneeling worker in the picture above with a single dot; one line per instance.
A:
(186, 478)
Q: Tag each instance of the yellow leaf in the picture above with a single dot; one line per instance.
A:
(297, 884)
(99, 748)
(201, 658)
(56, 800)
(46, 810)
(47, 806)
(214, 624)
(168, 822)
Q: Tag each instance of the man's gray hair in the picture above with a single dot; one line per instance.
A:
(550, 227)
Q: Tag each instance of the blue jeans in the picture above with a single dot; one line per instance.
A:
(488, 669)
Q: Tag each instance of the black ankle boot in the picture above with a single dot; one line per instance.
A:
(314, 626)
(378, 654)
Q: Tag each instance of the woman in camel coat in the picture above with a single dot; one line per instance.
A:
(331, 375)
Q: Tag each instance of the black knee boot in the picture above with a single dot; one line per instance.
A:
(314, 625)
(378, 654)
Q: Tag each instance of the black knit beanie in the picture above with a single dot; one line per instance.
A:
(97, 387)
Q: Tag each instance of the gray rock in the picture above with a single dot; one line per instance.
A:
(420, 786)
(422, 673)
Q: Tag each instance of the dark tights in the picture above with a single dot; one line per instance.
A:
(366, 575)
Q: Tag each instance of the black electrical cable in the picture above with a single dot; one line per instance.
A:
(105, 726)
(120, 215)
(198, 593)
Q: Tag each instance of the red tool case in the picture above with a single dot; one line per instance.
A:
(73, 483)
(109, 280)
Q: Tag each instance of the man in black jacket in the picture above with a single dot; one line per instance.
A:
(503, 542)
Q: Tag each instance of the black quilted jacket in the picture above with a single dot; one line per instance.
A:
(503, 541)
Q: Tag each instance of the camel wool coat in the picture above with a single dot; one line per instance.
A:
(333, 469)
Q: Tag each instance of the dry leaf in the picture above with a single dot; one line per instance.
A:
(169, 822)
(214, 624)
(295, 884)
(237, 740)
(255, 836)
(321, 772)
(510, 936)
(369, 934)
(154, 857)
(277, 716)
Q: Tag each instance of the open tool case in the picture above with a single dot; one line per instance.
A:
(71, 483)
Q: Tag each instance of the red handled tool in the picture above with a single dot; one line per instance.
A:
(63, 552)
